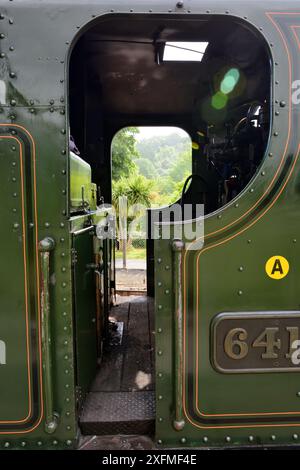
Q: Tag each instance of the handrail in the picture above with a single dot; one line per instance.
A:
(178, 247)
(45, 247)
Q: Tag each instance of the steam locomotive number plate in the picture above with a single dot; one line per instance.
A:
(256, 342)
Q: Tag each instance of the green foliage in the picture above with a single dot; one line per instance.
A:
(168, 161)
(137, 188)
(124, 152)
(163, 161)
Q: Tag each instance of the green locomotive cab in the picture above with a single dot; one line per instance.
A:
(209, 356)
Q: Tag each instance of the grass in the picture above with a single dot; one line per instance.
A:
(133, 253)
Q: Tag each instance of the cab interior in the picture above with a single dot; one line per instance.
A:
(120, 76)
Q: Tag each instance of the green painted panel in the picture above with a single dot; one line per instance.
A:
(85, 308)
(14, 305)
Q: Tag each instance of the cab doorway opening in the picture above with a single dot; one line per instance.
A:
(128, 73)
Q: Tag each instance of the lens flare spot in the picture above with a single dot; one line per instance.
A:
(230, 81)
(219, 100)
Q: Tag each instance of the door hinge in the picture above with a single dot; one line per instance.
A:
(74, 256)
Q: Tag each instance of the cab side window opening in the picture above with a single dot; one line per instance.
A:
(121, 75)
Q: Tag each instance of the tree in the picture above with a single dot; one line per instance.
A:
(124, 152)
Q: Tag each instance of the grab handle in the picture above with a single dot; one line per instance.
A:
(45, 247)
(178, 247)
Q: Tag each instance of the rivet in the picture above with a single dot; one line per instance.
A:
(66, 371)
(66, 357)
(160, 307)
(205, 439)
(23, 444)
(51, 110)
(159, 260)
(241, 269)
(159, 284)
(63, 152)
(228, 438)
(159, 330)
(63, 269)
(11, 48)
(249, 241)
(62, 111)
(62, 100)
(160, 420)
(55, 443)
(167, 268)
(219, 216)
(2, 16)
(183, 440)
(240, 292)
(295, 437)
(271, 154)
(251, 438)
(63, 172)
(159, 375)
(179, 4)
(2, 36)
(11, 21)
(273, 437)
(167, 292)
(15, 195)
(62, 225)
(16, 225)
(39, 443)
(160, 397)
(298, 394)
(14, 179)
(64, 191)
(6, 444)
(62, 240)
(251, 190)
(14, 148)
(159, 441)
(69, 443)
(295, 240)
(64, 313)
(159, 353)
(32, 110)
(63, 131)
(2, 55)
(12, 75)
(13, 102)
(282, 104)
(236, 205)
(68, 413)
(68, 428)
(47, 225)
(66, 343)
(277, 113)
(276, 134)
(67, 386)
(263, 173)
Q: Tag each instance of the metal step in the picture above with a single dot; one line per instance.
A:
(109, 413)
